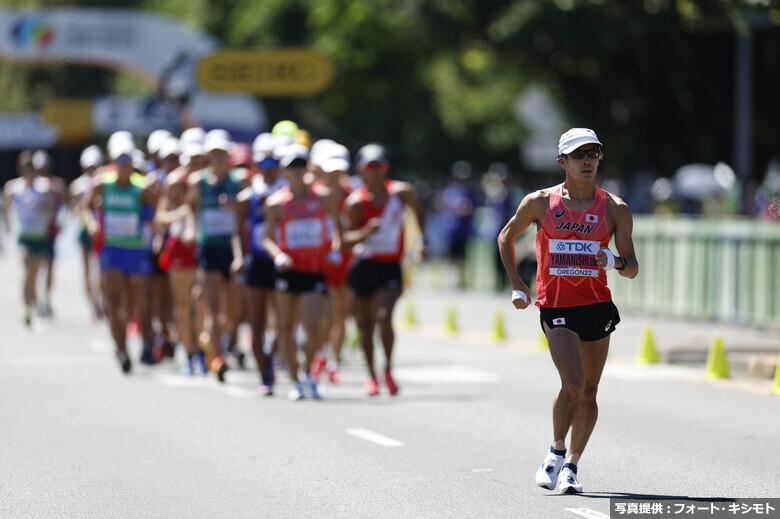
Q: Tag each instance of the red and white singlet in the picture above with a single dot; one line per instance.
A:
(566, 248)
(387, 243)
(303, 231)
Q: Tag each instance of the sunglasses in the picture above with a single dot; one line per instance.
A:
(593, 153)
(375, 165)
(124, 158)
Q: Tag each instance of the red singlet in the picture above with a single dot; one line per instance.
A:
(386, 244)
(303, 232)
(566, 248)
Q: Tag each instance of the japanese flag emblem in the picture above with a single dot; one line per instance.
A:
(592, 218)
(559, 321)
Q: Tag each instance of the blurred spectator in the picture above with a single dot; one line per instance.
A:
(499, 208)
(456, 207)
(767, 198)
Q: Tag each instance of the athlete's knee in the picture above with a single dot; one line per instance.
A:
(573, 388)
(589, 393)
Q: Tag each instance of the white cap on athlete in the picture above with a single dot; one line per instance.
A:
(294, 152)
(91, 157)
(170, 146)
(336, 158)
(41, 159)
(217, 140)
(192, 135)
(575, 138)
(156, 139)
(120, 144)
(263, 147)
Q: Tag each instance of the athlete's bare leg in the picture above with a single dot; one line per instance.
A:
(181, 287)
(289, 306)
(115, 293)
(315, 305)
(384, 301)
(258, 317)
(214, 288)
(579, 365)
(338, 304)
(364, 316)
(86, 259)
(32, 264)
(594, 356)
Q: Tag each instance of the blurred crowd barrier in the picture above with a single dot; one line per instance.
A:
(713, 269)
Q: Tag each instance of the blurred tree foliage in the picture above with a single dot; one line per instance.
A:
(438, 80)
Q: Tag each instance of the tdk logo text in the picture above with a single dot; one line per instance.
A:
(574, 246)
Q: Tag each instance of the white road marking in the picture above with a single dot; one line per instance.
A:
(482, 470)
(587, 512)
(446, 375)
(371, 436)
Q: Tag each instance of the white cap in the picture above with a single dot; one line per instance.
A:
(319, 151)
(121, 135)
(120, 146)
(338, 151)
(155, 141)
(217, 140)
(170, 146)
(41, 159)
(192, 135)
(91, 157)
(292, 152)
(575, 138)
(139, 159)
(334, 164)
(263, 147)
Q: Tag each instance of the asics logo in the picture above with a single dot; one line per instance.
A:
(606, 328)
(560, 213)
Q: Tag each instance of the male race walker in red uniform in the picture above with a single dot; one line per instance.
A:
(575, 222)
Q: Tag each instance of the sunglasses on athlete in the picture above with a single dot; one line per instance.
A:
(593, 153)
(375, 165)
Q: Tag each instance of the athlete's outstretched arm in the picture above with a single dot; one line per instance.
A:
(527, 213)
(409, 197)
(624, 226)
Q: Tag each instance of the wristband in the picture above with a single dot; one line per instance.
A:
(519, 294)
(610, 259)
(282, 260)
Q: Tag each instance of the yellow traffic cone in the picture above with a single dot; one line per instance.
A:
(647, 352)
(776, 388)
(499, 333)
(717, 367)
(542, 344)
(409, 319)
(450, 322)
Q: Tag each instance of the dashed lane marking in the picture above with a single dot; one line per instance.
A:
(446, 375)
(371, 436)
(587, 512)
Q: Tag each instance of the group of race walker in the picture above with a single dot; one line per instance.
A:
(206, 233)
(282, 228)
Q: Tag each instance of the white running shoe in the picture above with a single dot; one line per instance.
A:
(567, 482)
(547, 475)
(296, 393)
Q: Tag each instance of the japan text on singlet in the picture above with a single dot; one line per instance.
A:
(566, 248)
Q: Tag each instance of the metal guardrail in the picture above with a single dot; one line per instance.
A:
(721, 270)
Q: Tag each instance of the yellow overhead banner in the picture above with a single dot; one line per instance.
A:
(269, 73)
(72, 117)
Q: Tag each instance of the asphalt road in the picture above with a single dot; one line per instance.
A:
(464, 438)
